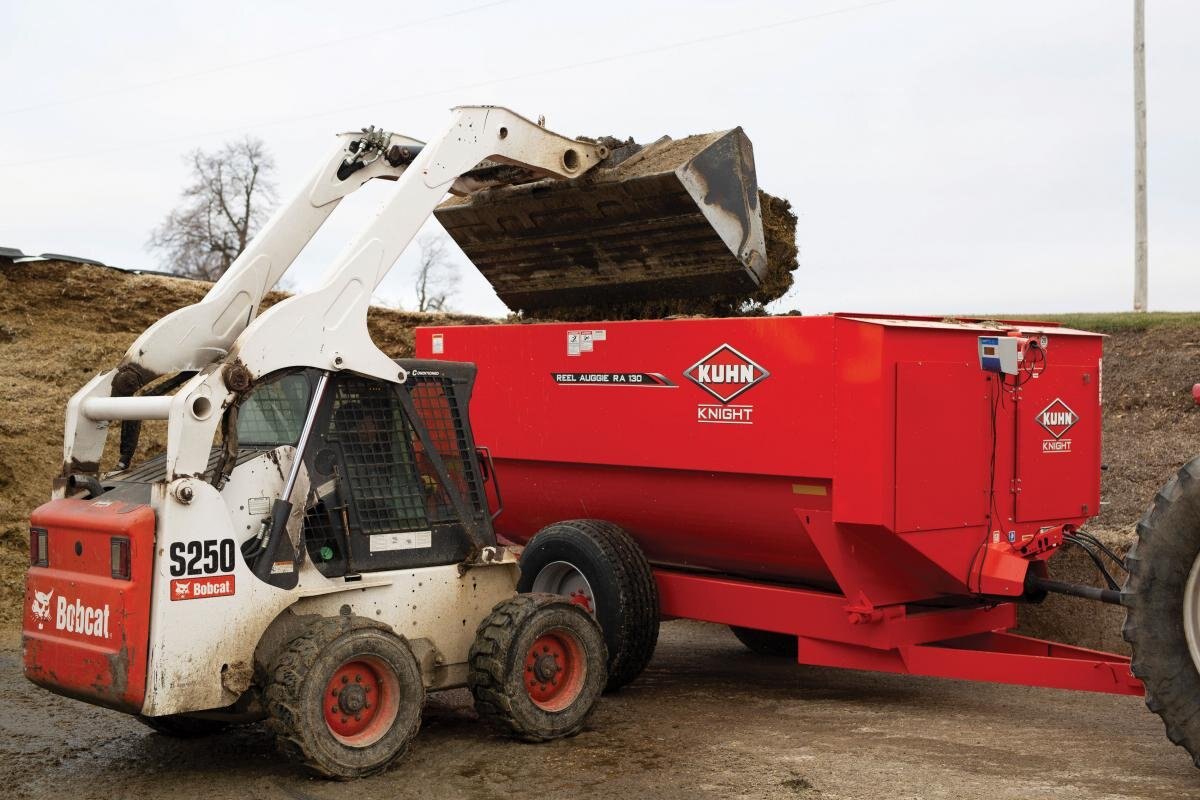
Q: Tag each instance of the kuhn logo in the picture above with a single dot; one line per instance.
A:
(725, 373)
(40, 607)
(1057, 418)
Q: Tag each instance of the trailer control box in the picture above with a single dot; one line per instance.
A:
(998, 354)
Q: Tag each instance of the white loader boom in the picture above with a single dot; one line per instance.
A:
(324, 328)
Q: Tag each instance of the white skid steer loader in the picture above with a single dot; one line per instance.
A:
(315, 546)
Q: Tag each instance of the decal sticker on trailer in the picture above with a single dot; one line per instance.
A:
(731, 415)
(584, 341)
(651, 379)
(1057, 418)
(726, 374)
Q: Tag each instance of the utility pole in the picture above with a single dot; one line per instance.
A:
(1141, 244)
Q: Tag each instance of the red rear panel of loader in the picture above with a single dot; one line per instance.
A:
(86, 626)
(844, 450)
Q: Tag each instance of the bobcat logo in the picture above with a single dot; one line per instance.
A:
(41, 606)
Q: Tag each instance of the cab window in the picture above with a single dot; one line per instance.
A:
(273, 414)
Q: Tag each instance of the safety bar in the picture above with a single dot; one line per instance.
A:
(100, 409)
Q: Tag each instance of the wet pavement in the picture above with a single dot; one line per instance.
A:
(707, 719)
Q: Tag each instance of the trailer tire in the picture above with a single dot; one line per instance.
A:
(181, 726)
(522, 636)
(766, 643)
(1163, 569)
(345, 736)
(624, 596)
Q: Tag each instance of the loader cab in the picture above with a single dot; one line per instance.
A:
(394, 479)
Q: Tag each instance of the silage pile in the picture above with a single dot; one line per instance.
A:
(779, 234)
(62, 323)
(628, 162)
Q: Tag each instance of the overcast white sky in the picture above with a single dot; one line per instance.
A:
(942, 155)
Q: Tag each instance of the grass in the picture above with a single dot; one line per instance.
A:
(1116, 321)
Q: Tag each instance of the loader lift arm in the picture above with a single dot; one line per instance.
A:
(325, 328)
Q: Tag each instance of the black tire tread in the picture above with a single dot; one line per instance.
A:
(283, 699)
(487, 666)
(635, 579)
(1167, 544)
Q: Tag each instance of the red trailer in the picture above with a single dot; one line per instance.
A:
(867, 492)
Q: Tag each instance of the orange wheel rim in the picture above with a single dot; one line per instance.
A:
(554, 670)
(361, 701)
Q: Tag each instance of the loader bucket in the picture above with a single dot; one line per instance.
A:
(677, 218)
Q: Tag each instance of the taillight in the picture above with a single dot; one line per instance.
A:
(120, 558)
(39, 548)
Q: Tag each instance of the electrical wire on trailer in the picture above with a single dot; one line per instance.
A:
(995, 399)
(1031, 366)
(1094, 547)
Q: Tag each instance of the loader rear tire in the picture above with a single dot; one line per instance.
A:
(1162, 601)
(599, 566)
(181, 726)
(345, 701)
(766, 643)
(536, 667)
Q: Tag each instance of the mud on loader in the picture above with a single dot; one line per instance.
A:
(315, 547)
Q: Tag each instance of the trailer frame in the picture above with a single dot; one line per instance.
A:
(967, 643)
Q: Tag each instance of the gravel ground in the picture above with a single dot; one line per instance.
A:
(707, 719)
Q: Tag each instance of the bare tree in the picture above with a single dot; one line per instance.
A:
(225, 204)
(437, 275)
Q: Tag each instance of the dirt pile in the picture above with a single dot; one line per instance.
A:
(62, 323)
(779, 231)
(1151, 422)
(655, 230)
(779, 234)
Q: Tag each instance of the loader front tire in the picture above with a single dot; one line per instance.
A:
(599, 567)
(537, 667)
(345, 701)
(1162, 601)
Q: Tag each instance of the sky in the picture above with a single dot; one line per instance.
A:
(943, 156)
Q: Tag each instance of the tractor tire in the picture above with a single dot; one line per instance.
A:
(181, 726)
(766, 643)
(537, 667)
(345, 699)
(599, 566)
(1162, 607)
